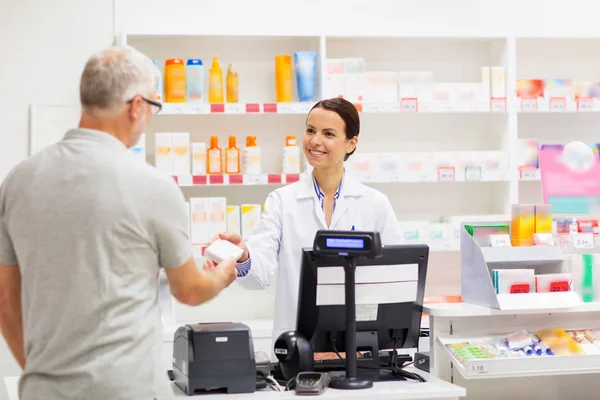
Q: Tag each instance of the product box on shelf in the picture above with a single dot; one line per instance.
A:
(522, 269)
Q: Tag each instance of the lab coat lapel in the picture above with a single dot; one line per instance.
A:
(341, 206)
(306, 192)
(350, 188)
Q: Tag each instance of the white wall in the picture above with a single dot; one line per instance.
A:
(43, 50)
(43, 53)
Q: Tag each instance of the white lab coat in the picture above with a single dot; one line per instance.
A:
(290, 220)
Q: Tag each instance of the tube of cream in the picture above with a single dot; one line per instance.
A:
(305, 63)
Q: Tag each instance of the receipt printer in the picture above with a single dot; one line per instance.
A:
(214, 356)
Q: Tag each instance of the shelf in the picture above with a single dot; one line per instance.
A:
(407, 106)
(284, 179)
(522, 367)
(456, 310)
(522, 255)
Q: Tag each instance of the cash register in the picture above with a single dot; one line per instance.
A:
(385, 284)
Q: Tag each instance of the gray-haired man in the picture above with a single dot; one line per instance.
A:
(84, 230)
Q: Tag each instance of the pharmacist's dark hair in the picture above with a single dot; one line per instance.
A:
(347, 112)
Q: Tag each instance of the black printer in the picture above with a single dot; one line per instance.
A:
(214, 356)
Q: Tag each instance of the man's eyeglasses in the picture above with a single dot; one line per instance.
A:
(156, 106)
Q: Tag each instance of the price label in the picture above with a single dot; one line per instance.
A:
(520, 288)
(500, 240)
(286, 108)
(529, 104)
(255, 179)
(557, 104)
(236, 179)
(498, 104)
(472, 173)
(177, 109)
(560, 286)
(252, 108)
(478, 369)
(217, 108)
(409, 105)
(373, 108)
(446, 174)
(583, 241)
(274, 179)
(200, 109)
(304, 107)
(585, 104)
(235, 108)
(529, 174)
(270, 108)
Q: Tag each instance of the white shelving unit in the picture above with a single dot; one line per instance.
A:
(398, 127)
(386, 127)
(546, 58)
(552, 378)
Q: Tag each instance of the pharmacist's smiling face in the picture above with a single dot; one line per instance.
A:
(325, 142)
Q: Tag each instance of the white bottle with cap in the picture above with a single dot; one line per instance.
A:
(291, 156)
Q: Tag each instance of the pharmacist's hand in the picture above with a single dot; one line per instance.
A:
(236, 239)
(226, 272)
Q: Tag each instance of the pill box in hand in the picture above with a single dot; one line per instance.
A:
(222, 250)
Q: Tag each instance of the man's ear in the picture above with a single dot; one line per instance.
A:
(135, 108)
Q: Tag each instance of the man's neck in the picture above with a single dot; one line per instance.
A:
(103, 124)
(329, 179)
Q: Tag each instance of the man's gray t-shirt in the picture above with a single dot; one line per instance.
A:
(89, 227)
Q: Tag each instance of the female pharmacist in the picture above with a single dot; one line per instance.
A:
(326, 199)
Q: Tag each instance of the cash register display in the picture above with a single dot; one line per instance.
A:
(344, 243)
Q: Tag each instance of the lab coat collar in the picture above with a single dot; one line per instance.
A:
(350, 187)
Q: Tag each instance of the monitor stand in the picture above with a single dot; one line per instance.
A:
(350, 381)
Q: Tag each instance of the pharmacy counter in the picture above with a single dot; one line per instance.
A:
(433, 389)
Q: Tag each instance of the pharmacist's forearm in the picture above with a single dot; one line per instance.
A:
(11, 325)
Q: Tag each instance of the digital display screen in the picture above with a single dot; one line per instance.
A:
(340, 243)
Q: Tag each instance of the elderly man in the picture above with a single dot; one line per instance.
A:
(84, 230)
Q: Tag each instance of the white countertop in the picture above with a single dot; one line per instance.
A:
(405, 390)
(471, 310)
(260, 328)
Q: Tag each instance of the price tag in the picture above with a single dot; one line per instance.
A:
(235, 108)
(291, 178)
(478, 369)
(500, 241)
(252, 108)
(498, 104)
(585, 104)
(529, 173)
(472, 173)
(372, 108)
(557, 104)
(236, 179)
(446, 174)
(177, 109)
(583, 241)
(529, 104)
(270, 107)
(200, 109)
(274, 179)
(255, 180)
(559, 286)
(409, 105)
(286, 108)
(520, 288)
(217, 108)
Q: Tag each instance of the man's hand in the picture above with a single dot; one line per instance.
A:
(236, 239)
(225, 270)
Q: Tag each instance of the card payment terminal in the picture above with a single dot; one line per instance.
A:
(312, 383)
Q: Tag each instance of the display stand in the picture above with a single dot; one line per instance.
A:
(476, 282)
